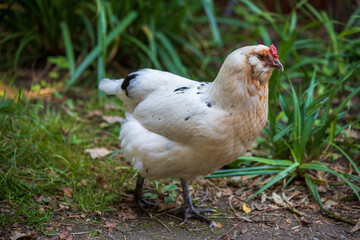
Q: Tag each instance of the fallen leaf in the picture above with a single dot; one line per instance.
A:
(130, 217)
(288, 220)
(305, 221)
(74, 215)
(227, 192)
(245, 208)
(113, 119)
(83, 182)
(17, 235)
(111, 106)
(93, 113)
(219, 225)
(65, 235)
(97, 152)
(110, 224)
(263, 197)
(100, 179)
(329, 203)
(356, 227)
(243, 231)
(68, 191)
(63, 206)
(278, 199)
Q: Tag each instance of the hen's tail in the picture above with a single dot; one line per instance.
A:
(111, 87)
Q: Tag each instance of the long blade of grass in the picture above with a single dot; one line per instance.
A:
(146, 50)
(97, 50)
(283, 132)
(68, 47)
(27, 38)
(267, 161)
(101, 40)
(346, 100)
(209, 10)
(315, 193)
(347, 157)
(298, 147)
(278, 177)
(321, 167)
(173, 54)
(259, 170)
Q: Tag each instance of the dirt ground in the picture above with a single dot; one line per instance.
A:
(266, 218)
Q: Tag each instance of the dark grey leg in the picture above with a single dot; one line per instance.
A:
(190, 211)
(138, 196)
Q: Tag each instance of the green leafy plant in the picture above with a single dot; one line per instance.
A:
(304, 130)
(304, 120)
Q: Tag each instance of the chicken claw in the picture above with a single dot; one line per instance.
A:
(190, 211)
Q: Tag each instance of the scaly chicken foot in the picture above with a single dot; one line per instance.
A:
(190, 210)
(138, 196)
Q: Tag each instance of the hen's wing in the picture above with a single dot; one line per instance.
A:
(169, 105)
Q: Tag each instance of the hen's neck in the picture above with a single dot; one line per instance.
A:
(238, 90)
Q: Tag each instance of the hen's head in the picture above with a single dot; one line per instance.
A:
(258, 60)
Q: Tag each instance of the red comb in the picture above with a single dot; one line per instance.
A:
(273, 51)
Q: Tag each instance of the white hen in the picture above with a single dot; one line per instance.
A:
(179, 128)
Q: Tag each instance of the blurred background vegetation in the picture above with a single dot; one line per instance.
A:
(57, 51)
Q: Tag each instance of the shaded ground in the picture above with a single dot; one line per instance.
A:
(267, 219)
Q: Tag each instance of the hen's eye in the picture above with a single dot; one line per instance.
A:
(261, 57)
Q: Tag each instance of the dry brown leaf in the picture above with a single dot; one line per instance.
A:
(94, 113)
(130, 216)
(329, 203)
(65, 235)
(64, 206)
(245, 208)
(305, 221)
(17, 235)
(68, 191)
(110, 224)
(227, 192)
(356, 227)
(113, 119)
(97, 152)
(111, 106)
(100, 179)
(263, 197)
(278, 199)
(219, 225)
(83, 182)
(243, 231)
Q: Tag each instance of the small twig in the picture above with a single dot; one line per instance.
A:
(166, 211)
(170, 215)
(75, 233)
(231, 206)
(79, 233)
(121, 194)
(205, 197)
(236, 225)
(164, 225)
(290, 207)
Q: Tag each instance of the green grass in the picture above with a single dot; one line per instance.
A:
(40, 157)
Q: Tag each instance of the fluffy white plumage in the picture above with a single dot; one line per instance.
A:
(176, 127)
